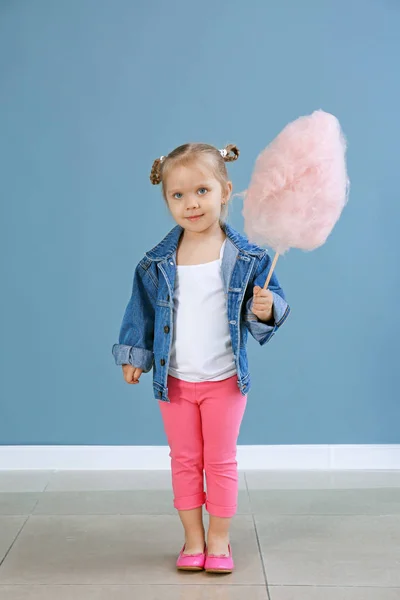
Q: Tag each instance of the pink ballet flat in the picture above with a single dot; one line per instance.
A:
(219, 564)
(191, 562)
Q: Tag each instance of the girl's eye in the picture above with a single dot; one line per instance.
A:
(178, 194)
(202, 190)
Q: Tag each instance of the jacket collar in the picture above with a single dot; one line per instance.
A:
(168, 246)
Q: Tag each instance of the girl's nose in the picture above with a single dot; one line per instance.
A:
(192, 203)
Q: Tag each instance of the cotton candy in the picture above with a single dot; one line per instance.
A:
(299, 185)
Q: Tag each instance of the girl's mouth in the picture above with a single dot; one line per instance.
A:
(194, 218)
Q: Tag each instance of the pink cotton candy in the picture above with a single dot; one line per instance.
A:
(299, 186)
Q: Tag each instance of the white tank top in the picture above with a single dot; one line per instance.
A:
(201, 343)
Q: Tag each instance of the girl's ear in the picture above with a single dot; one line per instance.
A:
(228, 192)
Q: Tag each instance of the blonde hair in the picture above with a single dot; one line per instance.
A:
(186, 154)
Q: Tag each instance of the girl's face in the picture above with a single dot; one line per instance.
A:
(193, 191)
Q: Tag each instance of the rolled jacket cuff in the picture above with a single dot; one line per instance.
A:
(281, 309)
(262, 332)
(130, 355)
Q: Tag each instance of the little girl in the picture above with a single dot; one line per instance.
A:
(195, 297)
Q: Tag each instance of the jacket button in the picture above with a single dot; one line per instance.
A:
(160, 394)
(168, 298)
(166, 329)
(162, 362)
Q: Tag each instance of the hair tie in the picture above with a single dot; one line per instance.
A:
(223, 153)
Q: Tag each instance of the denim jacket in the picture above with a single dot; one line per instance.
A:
(146, 332)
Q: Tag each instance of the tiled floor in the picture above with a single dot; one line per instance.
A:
(115, 535)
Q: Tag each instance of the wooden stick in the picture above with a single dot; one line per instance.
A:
(271, 270)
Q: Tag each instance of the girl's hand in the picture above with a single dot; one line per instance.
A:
(131, 374)
(263, 303)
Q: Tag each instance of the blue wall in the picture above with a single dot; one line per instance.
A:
(91, 92)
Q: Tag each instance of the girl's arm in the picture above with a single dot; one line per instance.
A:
(263, 332)
(136, 335)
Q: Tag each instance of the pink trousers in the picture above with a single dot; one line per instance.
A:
(202, 423)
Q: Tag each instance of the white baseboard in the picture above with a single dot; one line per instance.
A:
(305, 457)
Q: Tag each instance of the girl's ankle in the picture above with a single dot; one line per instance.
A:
(194, 542)
(218, 537)
(194, 547)
(218, 544)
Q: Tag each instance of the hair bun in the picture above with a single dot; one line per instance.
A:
(232, 153)
(155, 174)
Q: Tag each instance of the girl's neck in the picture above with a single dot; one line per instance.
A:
(213, 233)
